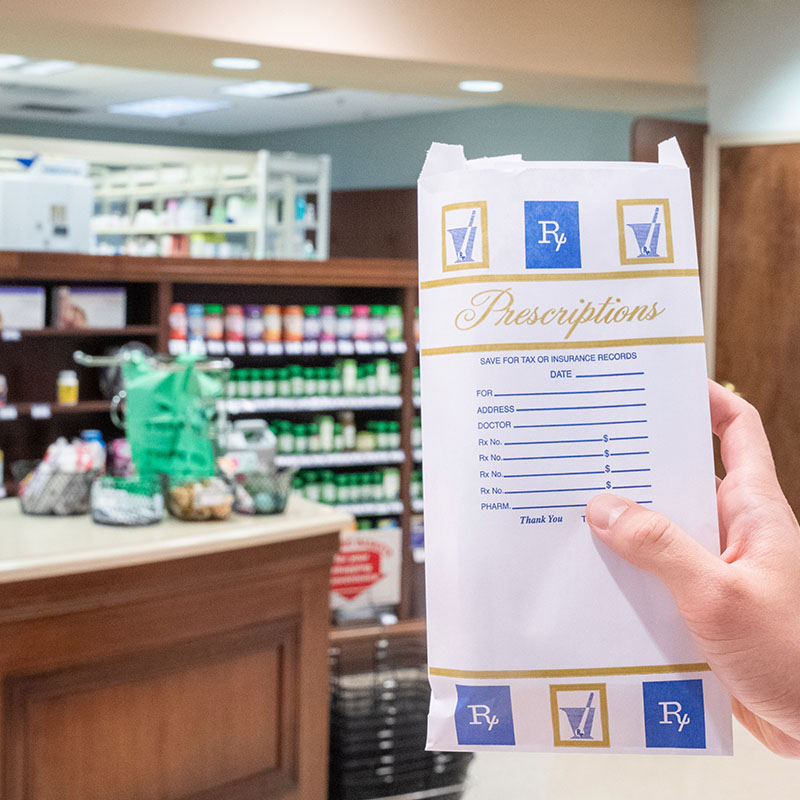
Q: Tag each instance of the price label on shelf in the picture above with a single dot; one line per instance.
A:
(397, 347)
(215, 348)
(345, 347)
(363, 348)
(235, 348)
(41, 411)
(380, 348)
(258, 348)
(8, 413)
(11, 334)
(327, 348)
(274, 348)
(177, 347)
(293, 348)
(310, 348)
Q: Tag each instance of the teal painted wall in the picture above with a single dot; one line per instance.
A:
(390, 153)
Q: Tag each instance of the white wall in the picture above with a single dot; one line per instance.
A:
(750, 62)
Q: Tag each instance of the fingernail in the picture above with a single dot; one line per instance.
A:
(604, 510)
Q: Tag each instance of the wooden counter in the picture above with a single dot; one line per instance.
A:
(183, 661)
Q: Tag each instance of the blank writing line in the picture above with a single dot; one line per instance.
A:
(555, 474)
(624, 438)
(640, 486)
(581, 424)
(544, 508)
(585, 408)
(609, 375)
(640, 453)
(564, 441)
(576, 489)
(547, 394)
(536, 458)
(645, 469)
(576, 505)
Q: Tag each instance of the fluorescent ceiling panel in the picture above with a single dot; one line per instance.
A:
(265, 89)
(166, 107)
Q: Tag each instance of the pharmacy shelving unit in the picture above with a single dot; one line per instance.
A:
(32, 360)
(258, 205)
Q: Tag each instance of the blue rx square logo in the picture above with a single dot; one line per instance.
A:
(674, 714)
(552, 235)
(483, 715)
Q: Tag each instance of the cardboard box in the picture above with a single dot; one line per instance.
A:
(76, 307)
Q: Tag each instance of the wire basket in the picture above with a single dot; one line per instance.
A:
(127, 501)
(57, 493)
(265, 493)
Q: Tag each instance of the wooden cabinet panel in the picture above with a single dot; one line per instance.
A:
(374, 223)
(195, 718)
(202, 678)
(758, 327)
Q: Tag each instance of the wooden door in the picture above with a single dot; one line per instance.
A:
(758, 321)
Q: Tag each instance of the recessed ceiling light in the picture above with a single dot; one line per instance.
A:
(165, 107)
(265, 88)
(49, 67)
(8, 61)
(480, 86)
(236, 63)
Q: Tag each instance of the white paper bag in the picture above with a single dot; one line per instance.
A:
(562, 356)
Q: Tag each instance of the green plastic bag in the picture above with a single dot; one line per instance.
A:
(168, 417)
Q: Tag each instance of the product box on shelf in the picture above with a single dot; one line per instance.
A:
(76, 307)
(21, 308)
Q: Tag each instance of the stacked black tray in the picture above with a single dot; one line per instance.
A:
(378, 732)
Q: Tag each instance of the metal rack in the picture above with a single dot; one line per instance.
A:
(162, 361)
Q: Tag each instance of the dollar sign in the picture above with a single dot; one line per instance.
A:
(608, 468)
(605, 437)
(608, 484)
(606, 453)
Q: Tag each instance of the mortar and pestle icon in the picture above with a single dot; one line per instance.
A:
(580, 719)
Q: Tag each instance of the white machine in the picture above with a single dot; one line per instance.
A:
(48, 206)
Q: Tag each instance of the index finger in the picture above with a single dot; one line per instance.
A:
(743, 442)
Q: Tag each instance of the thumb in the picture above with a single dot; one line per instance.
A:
(652, 542)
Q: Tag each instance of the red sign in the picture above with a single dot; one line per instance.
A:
(354, 571)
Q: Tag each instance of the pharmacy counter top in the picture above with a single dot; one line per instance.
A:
(47, 546)
(180, 661)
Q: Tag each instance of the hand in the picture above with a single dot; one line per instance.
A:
(743, 607)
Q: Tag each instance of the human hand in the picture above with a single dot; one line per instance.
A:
(743, 607)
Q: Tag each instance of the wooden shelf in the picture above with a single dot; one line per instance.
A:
(87, 333)
(354, 647)
(70, 267)
(175, 229)
(345, 633)
(39, 410)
